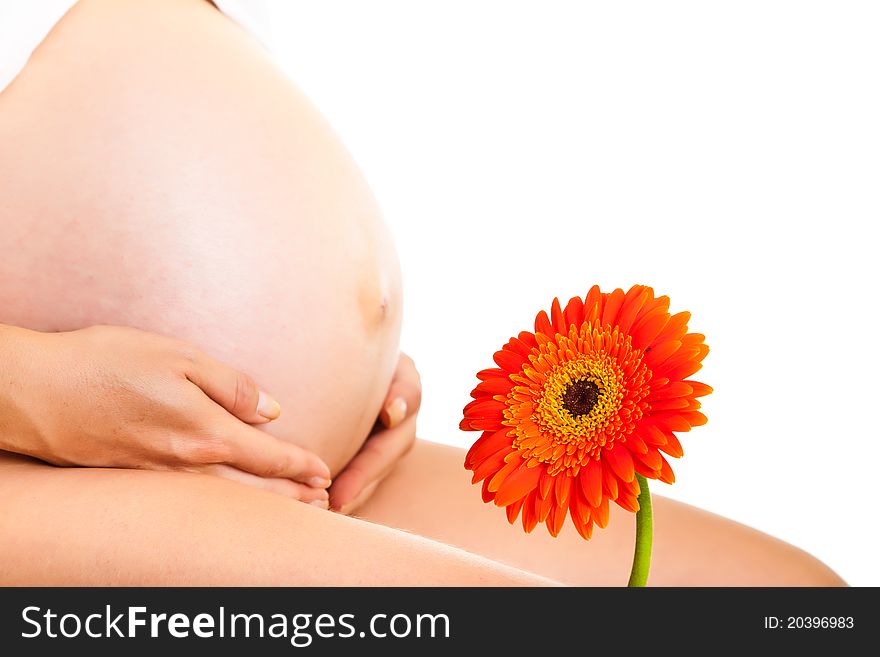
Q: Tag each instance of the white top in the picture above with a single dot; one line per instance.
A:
(25, 23)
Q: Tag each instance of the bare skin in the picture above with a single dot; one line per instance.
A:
(189, 189)
(111, 396)
(430, 494)
(120, 527)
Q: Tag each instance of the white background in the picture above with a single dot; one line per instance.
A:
(728, 154)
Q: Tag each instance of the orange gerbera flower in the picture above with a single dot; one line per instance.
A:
(574, 410)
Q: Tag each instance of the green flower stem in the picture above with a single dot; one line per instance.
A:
(644, 534)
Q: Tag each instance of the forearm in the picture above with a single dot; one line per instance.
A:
(121, 527)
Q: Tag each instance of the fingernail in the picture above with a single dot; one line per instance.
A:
(324, 504)
(268, 407)
(396, 411)
(319, 482)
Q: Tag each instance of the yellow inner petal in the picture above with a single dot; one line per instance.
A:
(544, 430)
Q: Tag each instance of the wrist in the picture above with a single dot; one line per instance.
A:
(20, 348)
(20, 373)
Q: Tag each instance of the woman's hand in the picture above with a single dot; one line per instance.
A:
(391, 438)
(119, 397)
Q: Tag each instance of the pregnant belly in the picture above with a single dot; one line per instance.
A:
(193, 191)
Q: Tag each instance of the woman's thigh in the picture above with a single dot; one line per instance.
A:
(87, 527)
(160, 171)
(430, 494)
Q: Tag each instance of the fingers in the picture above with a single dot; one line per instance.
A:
(404, 394)
(233, 390)
(384, 448)
(375, 459)
(258, 453)
(286, 487)
(357, 502)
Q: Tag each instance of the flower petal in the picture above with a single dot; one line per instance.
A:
(487, 445)
(529, 516)
(491, 387)
(628, 502)
(636, 444)
(670, 421)
(676, 404)
(601, 512)
(620, 461)
(644, 470)
(528, 338)
(700, 389)
(609, 480)
(558, 319)
(672, 447)
(484, 408)
(661, 351)
(652, 307)
(491, 464)
(562, 488)
(509, 361)
(585, 530)
(518, 484)
(593, 305)
(556, 519)
(511, 462)
(486, 494)
(543, 506)
(633, 303)
(694, 418)
(675, 328)
(685, 354)
(574, 312)
(591, 482)
(546, 484)
(479, 424)
(685, 370)
(543, 325)
(613, 302)
(580, 510)
(514, 509)
(693, 339)
(649, 328)
(671, 391)
(654, 435)
(666, 473)
(489, 373)
(651, 459)
(517, 346)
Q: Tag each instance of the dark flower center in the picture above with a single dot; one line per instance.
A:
(580, 397)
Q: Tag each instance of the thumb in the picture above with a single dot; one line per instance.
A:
(404, 395)
(233, 390)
